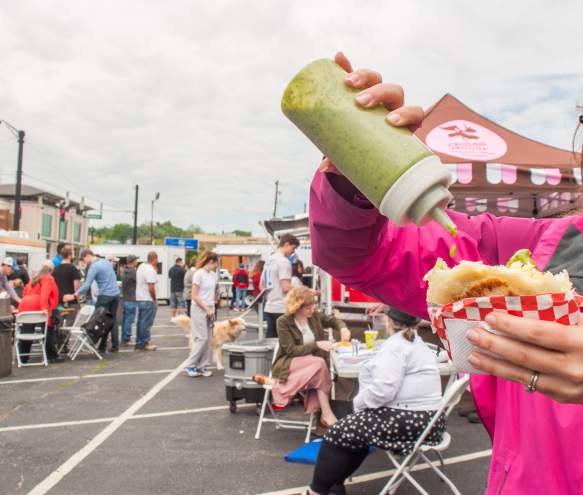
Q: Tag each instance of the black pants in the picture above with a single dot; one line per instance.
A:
(188, 305)
(334, 465)
(50, 343)
(271, 319)
(110, 303)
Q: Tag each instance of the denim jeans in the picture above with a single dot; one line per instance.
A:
(240, 294)
(146, 315)
(110, 303)
(130, 308)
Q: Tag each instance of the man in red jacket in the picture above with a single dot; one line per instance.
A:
(241, 284)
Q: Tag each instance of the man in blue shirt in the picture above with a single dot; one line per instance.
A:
(58, 258)
(101, 272)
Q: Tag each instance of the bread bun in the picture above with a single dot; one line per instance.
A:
(475, 279)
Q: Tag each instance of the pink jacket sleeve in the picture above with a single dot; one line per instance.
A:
(364, 250)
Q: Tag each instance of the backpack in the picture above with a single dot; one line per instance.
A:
(99, 325)
(242, 278)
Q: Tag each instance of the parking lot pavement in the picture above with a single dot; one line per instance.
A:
(135, 424)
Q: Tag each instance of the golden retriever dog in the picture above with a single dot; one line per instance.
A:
(223, 333)
(183, 321)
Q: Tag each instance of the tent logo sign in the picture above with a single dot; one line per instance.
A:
(467, 140)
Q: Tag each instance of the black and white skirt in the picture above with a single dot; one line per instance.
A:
(395, 430)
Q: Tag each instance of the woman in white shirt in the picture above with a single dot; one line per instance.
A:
(202, 313)
(399, 392)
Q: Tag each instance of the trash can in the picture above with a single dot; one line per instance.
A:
(5, 347)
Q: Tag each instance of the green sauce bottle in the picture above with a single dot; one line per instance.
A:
(389, 165)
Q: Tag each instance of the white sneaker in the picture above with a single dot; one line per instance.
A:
(192, 372)
(206, 372)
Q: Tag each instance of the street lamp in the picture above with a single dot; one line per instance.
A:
(156, 198)
(20, 136)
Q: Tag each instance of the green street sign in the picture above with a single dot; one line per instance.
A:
(93, 216)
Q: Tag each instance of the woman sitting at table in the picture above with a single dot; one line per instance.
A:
(300, 364)
(41, 294)
(399, 392)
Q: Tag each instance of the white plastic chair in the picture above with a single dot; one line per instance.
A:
(451, 398)
(280, 423)
(40, 321)
(82, 317)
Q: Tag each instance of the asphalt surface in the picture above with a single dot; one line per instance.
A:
(131, 425)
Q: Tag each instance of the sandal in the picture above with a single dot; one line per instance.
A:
(324, 423)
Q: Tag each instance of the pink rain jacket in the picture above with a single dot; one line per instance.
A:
(537, 443)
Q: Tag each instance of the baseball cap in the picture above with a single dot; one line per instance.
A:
(85, 252)
(131, 258)
(402, 318)
(8, 261)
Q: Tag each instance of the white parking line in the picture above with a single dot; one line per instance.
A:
(389, 472)
(80, 422)
(78, 377)
(58, 474)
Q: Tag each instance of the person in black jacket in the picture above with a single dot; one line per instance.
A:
(176, 275)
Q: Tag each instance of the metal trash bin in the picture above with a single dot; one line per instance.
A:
(242, 361)
(5, 346)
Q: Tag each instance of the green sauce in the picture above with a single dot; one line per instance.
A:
(371, 153)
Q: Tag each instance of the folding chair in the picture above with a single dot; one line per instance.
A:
(82, 338)
(39, 320)
(74, 330)
(451, 397)
(280, 423)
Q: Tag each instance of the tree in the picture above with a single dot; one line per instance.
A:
(242, 233)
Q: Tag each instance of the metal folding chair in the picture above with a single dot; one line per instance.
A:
(82, 339)
(280, 423)
(39, 321)
(451, 398)
(83, 315)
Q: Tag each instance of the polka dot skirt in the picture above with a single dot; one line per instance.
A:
(396, 430)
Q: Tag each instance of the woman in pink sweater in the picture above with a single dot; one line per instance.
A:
(536, 440)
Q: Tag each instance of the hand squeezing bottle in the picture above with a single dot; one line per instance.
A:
(389, 165)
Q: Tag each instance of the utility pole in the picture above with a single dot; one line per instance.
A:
(18, 192)
(276, 196)
(135, 236)
(156, 198)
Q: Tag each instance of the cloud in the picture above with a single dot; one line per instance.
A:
(183, 97)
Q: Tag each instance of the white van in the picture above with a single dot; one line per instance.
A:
(34, 253)
(167, 256)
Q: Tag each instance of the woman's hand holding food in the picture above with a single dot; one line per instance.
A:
(374, 93)
(551, 349)
(344, 334)
(324, 345)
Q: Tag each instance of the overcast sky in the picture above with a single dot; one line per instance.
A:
(183, 97)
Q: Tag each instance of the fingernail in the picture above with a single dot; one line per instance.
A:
(394, 118)
(472, 336)
(474, 361)
(364, 99)
(490, 319)
(353, 78)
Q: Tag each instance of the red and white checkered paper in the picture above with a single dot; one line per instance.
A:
(452, 321)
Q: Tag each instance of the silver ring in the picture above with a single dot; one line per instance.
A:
(531, 387)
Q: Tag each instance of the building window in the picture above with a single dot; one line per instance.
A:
(62, 230)
(77, 232)
(47, 225)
